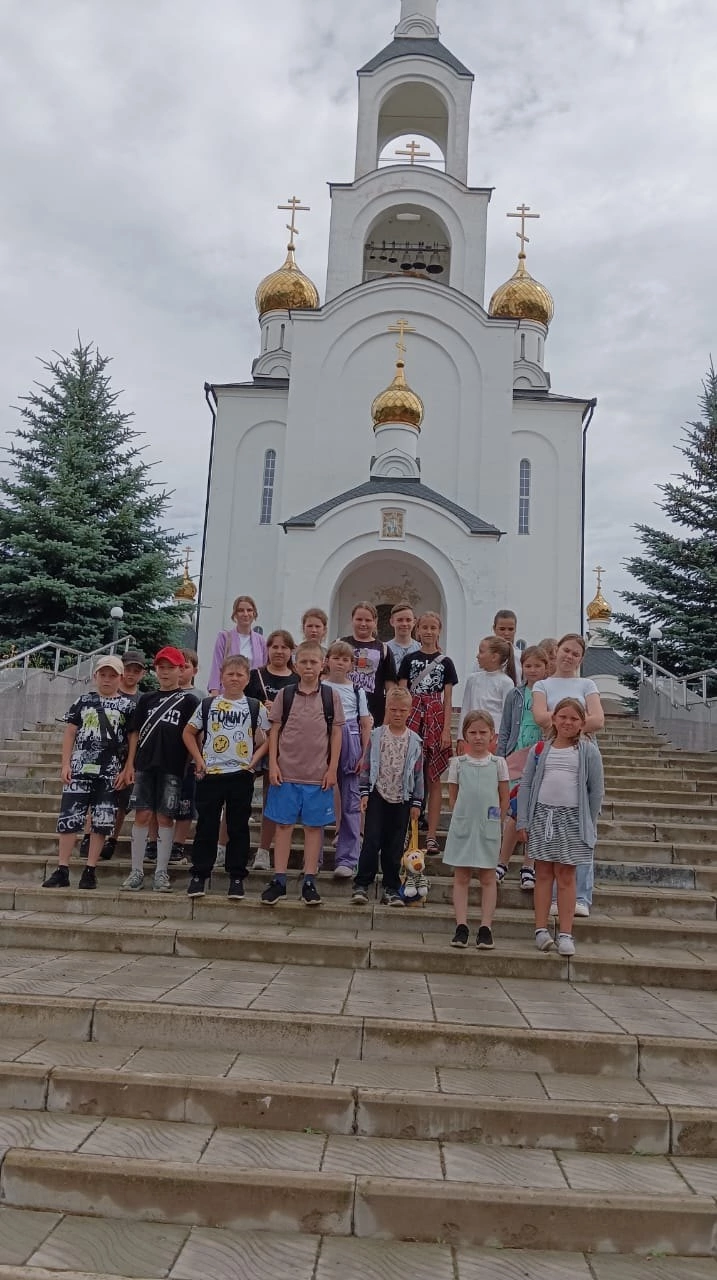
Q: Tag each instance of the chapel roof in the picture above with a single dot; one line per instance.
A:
(396, 487)
(419, 47)
(602, 660)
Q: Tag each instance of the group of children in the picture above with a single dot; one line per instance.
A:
(358, 734)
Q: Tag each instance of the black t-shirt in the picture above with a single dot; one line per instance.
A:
(164, 713)
(442, 674)
(272, 684)
(373, 667)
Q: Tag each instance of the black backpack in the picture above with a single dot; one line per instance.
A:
(254, 709)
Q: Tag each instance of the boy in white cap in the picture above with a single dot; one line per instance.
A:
(93, 748)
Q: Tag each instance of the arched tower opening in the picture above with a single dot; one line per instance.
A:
(408, 240)
(413, 111)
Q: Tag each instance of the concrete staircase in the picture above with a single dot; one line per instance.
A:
(207, 1088)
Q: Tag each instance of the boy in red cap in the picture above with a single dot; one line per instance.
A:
(157, 761)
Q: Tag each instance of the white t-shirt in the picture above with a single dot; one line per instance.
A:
(228, 746)
(556, 688)
(245, 646)
(347, 694)
(560, 779)
(503, 775)
(486, 691)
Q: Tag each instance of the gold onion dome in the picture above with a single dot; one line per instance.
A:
(398, 403)
(287, 289)
(599, 610)
(522, 298)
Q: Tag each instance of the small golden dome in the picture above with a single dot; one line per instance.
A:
(522, 298)
(187, 589)
(398, 403)
(599, 610)
(287, 289)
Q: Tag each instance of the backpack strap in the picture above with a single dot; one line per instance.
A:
(327, 700)
(287, 702)
(206, 708)
(254, 708)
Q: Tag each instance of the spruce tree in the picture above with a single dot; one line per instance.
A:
(678, 567)
(80, 518)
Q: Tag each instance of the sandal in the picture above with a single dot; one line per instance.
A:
(527, 879)
(500, 873)
(433, 849)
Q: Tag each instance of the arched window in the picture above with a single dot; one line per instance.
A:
(282, 335)
(524, 497)
(522, 346)
(267, 488)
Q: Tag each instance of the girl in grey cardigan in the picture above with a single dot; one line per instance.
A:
(558, 806)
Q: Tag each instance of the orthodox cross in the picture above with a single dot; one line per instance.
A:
(599, 571)
(187, 552)
(523, 213)
(401, 327)
(413, 150)
(294, 206)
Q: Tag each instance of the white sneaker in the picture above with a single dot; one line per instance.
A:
(566, 945)
(582, 909)
(553, 909)
(221, 855)
(135, 880)
(344, 873)
(543, 939)
(162, 882)
(262, 860)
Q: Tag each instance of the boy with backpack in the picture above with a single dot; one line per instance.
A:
(93, 750)
(230, 725)
(304, 746)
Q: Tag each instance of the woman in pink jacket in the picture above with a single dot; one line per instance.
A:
(243, 639)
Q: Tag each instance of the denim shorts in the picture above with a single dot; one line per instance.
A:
(157, 792)
(300, 802)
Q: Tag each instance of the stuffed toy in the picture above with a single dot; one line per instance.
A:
(414, 882)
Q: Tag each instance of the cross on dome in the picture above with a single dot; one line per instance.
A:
(294, 206)
(523, 212)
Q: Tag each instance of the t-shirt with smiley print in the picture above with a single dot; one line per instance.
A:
(229, 744)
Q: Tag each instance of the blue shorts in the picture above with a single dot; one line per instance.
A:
(302, 802)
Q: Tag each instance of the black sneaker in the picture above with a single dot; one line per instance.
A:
(84, 848)
(273, 893)
(359, 896)
(88, 879)
(391, 899)
(108, 849)
(150, 852)
(60, 879)
(177, 854)
(236, 889)
(461, 936)
(195, 888)
(310, 895)
(484, 938)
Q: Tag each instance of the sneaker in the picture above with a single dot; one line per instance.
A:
(344, 873)
(566, 945)
(527, 879)
(150, 852)
(553, 909)
(273, 893)
(162, 882)
(461, 936)
(236, 889)
(177, 854)
(543, 939)
(88, 879)
(360, 897)
(582, 909)
(484, 939)
(108, 849)
(262, 860)
(221, 855)
(310, 895)
(135, 880)
(84, 848)
(196, 887)
(60, 879)
(500, 873)
(392, 900)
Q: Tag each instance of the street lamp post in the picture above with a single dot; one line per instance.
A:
(655, 636)
(116, 614)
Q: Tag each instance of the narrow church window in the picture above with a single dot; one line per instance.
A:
(267, 488)
(266, 337)
(282, 333)
(524, 497)
(522, 346)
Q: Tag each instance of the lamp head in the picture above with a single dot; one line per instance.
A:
(117, 613)
(655, 633)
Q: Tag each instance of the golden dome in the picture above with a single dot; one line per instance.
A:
(522, 298)
(287, 289)
(599, 610)
(187, 589)
(398, 403)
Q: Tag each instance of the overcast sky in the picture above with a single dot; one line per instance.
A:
(145, 144)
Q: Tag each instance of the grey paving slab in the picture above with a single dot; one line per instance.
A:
(700, 1174)
(690, 1094)
(491, 1084)
(10, 1050)
(385, 1075)
(43, 1132)
(283, 1070)
(382, 1157)
(255, 1255)
(342, 1259)
(265, 1149)
(378, 993)
(502, 1166)
(148, 1140)
(21, 1231)
(523, 1264)
(61, 1053)
(594, 1088)
(189, 1062)
(111, 1246)
(612, 1267)
(615, 1173)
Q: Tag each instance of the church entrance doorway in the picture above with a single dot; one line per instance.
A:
(385, 579)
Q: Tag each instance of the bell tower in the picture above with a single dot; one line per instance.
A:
(418, 18)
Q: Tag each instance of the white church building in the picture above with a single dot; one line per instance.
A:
(401, 439)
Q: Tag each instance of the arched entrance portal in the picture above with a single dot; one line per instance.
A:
(385, 578)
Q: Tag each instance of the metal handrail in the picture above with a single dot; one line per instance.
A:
(21, 661)
(652, 673)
